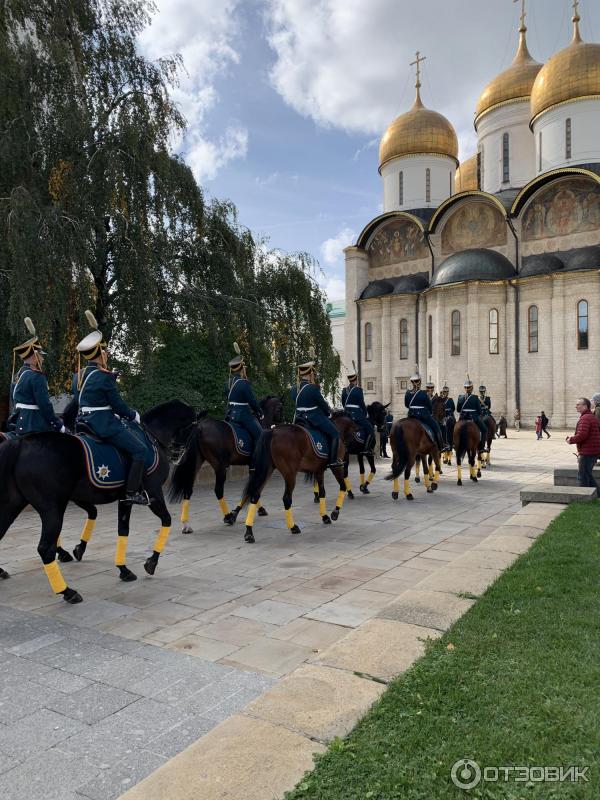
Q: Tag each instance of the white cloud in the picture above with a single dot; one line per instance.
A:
(332, 249)
(204, 34)
(335, 289)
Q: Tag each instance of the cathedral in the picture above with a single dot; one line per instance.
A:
(490, 267)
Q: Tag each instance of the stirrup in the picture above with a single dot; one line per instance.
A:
(335, 464)
(137, 498)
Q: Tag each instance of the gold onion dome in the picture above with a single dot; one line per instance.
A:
(512, 85)
(465, 177)
(571, 74)
(419, 131)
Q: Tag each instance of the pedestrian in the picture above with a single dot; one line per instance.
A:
(596, 405)
(545, 423)
(502, 425)
(517, 416)
(587, 439)
(538, 427)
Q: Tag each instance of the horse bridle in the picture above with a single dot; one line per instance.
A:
(175, 454)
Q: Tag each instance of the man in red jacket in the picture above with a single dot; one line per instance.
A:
(587, 439)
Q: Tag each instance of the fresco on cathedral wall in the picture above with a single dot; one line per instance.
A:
(571, 206)
(475, 224)
(399, 240)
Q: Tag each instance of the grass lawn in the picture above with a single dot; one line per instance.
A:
(516, 681)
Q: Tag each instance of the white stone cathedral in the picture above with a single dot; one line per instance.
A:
(490, 267)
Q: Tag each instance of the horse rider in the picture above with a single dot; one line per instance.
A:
(486, 402)
(242, 406)
(353, 401)
(33, 411)
(449, 409)
(418, 402)
(313, 411)
(100, 405)
(430, 388)
(469, 407)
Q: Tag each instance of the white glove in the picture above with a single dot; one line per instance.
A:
(63, 429)
(137, 418)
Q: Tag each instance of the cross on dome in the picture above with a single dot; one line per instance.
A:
(523, 28)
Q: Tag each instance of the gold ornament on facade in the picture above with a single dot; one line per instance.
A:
(571, 74)
(465, 177)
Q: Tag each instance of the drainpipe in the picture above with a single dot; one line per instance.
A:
(417, 330)
(517, 319)
(359, 359)
(429, 245)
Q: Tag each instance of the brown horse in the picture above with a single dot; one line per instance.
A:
(409, 440)
(288, 449)
(490, 424)
(466, 442)
(214, 442)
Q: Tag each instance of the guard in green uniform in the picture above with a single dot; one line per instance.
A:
(418, 403)
(243, 407)
(353, 401)
(100, 405)
(469, 407)
(313, 411)
(33, 411)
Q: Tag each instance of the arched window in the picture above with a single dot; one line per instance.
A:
(368, 342)
(582, 325)
(532, 328)
(455, 350)
(430, 337)
(428, 185)
(505, 158)
(403, 338)
(568, 138)
(401, 188)
(494, 348)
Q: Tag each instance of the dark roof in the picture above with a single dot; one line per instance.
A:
(404, 284)
(479, 264)
(581, 258)
(424, 214)
(507, 197)
(541, 264)
(567, 260)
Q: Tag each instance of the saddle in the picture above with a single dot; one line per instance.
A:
(106, 465)
(427, 430)
(318, 440)
(242, 439)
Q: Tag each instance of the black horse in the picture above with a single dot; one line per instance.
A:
(47, 470)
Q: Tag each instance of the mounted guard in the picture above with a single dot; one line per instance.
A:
(418, 403)
(353, 401)
(312, 410)
(470, 408)
(242, 406)
(486, 402)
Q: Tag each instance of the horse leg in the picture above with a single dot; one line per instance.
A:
(287, 504)
(88, 529)
(364, 488)
(252, 509)
(437, 471)
(339, 476)
(372, 469)
(459, 471)
(52, 520)
(8, 514)
(124, 514)
(347, 483)
(417, 469)
(158, 507)
(316, 491)
(426, 478)
(407, 492)
(185, 514)
(472, 468)
(320, 483)
(220, 476)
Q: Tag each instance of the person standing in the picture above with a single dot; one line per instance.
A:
(545, 423)
(538, 427)
(502, 425)
(596, 405)
(517, 417)
(587, 439)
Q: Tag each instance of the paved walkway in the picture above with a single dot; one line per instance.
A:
(95, 697)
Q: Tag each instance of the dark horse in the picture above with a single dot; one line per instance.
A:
(409, 440)
(377, 413)
(490, 424)
(438, 412)
(213, 441)
(466, 442)
(47, 470)
(288, 449)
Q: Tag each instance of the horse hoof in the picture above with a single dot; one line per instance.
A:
(434, 486)
(295, 529)
(459, 482)
(63, 556)
(316, 498)
(262, 512)
(417, 479)
(479, 473)
(79, 550)
(71, 596)
(365, 489)
(229, 519)
(249, 535)
(441, 472)
(394, 495)
(326, 519)
(127, 575)
(150, 566)
(335, 514)
(429, 490)
(473, 479)
(350, 494)
(409, 497)
(4, 575)
(187, 529)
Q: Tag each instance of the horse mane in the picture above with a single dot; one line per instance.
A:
(340, 412)
(162, 409)
(262, 403)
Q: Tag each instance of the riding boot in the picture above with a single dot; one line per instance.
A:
(369, 444)
(133, 492)
(335, 446)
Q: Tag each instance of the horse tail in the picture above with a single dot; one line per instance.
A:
(184, 474)
(9, 453)
(401, 453)
(463, 441)
(262, 464)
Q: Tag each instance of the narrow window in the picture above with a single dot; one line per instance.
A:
(532, 325)
(401, 188)
(568, 138)
(505, 159)
(451, 184)
(403, 338)
(368, 342)
(494, 331)
(582, 325)
(479, 168)
(481, 177)
(428, 185)
(540, 152)
(430, 337)
(455, 351)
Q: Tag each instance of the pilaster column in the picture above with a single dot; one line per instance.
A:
(386, 349)
(357, 278)
(559, 382)
(471, 335)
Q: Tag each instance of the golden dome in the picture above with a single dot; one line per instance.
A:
(512, 85)
(465, 177)
(571, 74)
(419, 131)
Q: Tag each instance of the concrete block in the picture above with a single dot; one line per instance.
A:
(428, 609)
(568, 476)
(557, 494)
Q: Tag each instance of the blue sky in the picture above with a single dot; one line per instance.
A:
(286, 99)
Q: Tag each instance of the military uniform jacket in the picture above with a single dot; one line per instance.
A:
(449, 407)
(242, 401)
(469, 404)
(486, 406)
(310, 403)
(389, 420)
(32, 403)
(353, 401)
(100, 400)
(418, 403)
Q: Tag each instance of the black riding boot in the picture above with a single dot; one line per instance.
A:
(335, 446)
(369, 444)
(133, 492)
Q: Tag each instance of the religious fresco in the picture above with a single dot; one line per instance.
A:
(476, 224)
(571, 206)
(399, 240)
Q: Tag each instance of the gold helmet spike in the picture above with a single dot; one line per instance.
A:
(236, 347)
(92, 321)
(29, 325)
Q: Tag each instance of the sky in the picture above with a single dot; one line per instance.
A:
(286, 100)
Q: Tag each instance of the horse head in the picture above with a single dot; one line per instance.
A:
(438, 406)
(272, 408)
(345, 425)
(172, 423)
(377, 413)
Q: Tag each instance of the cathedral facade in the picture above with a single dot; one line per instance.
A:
(489, 268)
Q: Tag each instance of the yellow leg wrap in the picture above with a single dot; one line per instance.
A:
(348, 484)
(340, 499)
(161, 539)
(58, 542)
(316, 487)
(121, 554)
(479, 464)
(418, 467)
(406, 487)
(185, 511)
(396, 485)
(322, 506)
(223, 506)
(251, 514)
(88, 529)
(371, 476)
(472, 471)
(459, 470)
(54, 575)
(431, 470)
(436, 476)
(426, 479)
(362, 478)
(289, 518)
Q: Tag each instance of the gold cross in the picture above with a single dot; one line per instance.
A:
(418, 61)
(576, 9)
(522, 13)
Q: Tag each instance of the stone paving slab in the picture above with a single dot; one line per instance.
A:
(437, 610)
